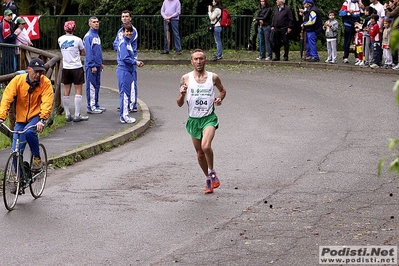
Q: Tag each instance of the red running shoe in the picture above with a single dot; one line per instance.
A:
(214, 180)
(208, 187)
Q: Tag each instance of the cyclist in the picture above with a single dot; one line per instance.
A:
(34, 98)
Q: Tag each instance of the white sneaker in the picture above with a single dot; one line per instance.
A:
(127, 120)
(80, 118)
(327, 61)
(358, 62)
(95, 111)
(396, 67)
(361, 64)
(268, 58)
(346, 61)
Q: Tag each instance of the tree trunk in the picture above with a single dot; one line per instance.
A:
(65, 5)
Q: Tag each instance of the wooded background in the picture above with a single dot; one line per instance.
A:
(152, 7)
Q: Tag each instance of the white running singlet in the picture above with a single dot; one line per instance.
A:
(200, 97)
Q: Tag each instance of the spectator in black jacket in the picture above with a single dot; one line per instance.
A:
(282, 24)
(264, 20)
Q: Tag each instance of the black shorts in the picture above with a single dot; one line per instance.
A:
(75, 76)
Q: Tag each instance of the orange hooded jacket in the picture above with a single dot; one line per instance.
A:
(28, 105)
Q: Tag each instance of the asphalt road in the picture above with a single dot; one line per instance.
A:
(296, 152)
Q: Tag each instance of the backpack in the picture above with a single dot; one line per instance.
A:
(225, 21)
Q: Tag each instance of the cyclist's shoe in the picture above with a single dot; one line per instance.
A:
(14, 190)
(214, 180)
(102, 109)
(80, 118)
(208, 187)
(37, 164)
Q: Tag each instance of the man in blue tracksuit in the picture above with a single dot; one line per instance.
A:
(312, 25)
(126, 19)
(93, 66)
(126, 72)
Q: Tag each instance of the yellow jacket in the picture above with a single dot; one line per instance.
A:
(28, 105)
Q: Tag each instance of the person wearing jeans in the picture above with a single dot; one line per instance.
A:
(217, 34)
(215, 14)
(264, 43)
(375, 37)
(170, 12)
(264, 21)
(174, 26)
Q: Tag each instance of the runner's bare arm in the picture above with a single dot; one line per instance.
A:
(183, 90)
(222, 92)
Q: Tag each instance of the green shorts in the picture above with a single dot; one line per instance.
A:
(195, 126)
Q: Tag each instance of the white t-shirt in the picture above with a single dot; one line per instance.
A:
(70, 46)
(380, 12)
(200, 96)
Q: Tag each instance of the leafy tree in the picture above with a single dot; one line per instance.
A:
(53, 7)
(189, 7)
(152, 7)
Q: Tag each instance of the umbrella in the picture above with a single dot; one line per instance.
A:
(168, 34)
(301, 43)
(271, 39)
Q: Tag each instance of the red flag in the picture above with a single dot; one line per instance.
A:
(32, 26)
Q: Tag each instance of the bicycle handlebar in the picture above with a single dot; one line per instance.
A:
(16, 131)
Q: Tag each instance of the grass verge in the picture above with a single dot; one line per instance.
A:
(59, 121)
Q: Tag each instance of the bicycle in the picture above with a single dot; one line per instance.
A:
(18, 174)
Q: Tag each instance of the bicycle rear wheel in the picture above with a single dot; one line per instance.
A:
(11, 182)
(39, 178)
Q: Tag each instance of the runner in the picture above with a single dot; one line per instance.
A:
(197, 89)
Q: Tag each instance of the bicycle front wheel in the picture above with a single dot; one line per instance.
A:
(39, 178)
(11, 182)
